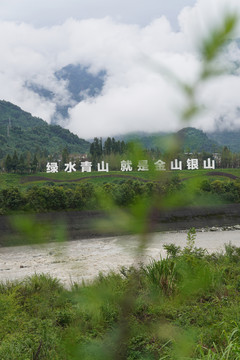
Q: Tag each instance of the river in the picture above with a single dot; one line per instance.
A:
(79, 260)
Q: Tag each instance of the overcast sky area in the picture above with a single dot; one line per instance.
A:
(132, 41)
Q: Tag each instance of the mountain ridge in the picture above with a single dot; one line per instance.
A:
(21, 131)
(190, 140)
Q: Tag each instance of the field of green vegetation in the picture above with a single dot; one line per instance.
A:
(7, 180)
(85, 191)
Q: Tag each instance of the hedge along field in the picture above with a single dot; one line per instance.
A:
(61, 191)
(85, 195)
(82, 196)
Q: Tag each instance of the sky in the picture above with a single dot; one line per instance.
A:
(137, 42)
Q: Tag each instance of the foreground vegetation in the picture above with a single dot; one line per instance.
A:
(183, 307)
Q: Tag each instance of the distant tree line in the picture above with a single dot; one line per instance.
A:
(25, 163)
(28, 163)
(111, 151)
(111, 147)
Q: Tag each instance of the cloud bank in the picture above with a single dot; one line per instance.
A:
(136, 95)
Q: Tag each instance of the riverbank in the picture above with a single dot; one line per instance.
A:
(22, 229)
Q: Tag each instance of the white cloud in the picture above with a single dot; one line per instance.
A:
(136, 95)
(54, 12)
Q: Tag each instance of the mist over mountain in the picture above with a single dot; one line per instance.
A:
(226, 138)
(192, 140)
(76, 84)
(21, 131)
(100, 77)
(79, 84)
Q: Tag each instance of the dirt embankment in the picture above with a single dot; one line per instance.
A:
(31, 178)
(83, 224)
(26, 179)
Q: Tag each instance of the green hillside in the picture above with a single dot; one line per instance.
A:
(195, 140)
(227, 138)
(20, 131)
(189, 139)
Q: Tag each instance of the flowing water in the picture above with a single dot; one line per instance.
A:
(75, 261)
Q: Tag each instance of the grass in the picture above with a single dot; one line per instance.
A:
(184, 307)
(7, 180)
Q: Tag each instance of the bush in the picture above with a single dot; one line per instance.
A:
(12, 199)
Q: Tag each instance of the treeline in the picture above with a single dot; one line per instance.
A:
(229, 159)
(28, 163)
(110, 146)
(108, 150)
(113, 152)
(20, 164)
(25, 162)
(84, 196)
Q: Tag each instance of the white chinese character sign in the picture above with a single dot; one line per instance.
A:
(106, 169)
(176, 165)
(126, 165)
(143, 165)
(52, 167)
(209, 164)
(86, 166)
(160, 165)
(192, 164)
(69, 167)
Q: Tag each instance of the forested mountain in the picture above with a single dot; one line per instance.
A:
(22, 132)
(231, 139)
(195, 140)
(190, 140)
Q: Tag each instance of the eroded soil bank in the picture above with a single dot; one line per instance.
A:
(22, 229)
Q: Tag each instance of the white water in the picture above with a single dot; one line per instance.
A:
(84, 259)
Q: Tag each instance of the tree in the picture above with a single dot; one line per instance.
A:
(226, 158)
(96, 150)
(34, 164)
(107, 148)
(8, 163)
(22, 165)
(65, 156)
(14, 161)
